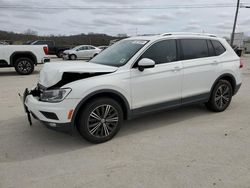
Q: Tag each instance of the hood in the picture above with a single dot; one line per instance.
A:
(52, 73)
(68, 51)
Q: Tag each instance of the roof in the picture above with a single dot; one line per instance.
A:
(174, 35)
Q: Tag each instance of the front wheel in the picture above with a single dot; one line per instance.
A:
(72, 57)
(221, 96)
(100, 120)
(24, 66)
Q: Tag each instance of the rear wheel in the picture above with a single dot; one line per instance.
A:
(221, 96)
(72, 57)
(24, 66)
(100, 120)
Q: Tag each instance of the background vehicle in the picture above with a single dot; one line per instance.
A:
(53, 48)
(3, 43)
(133, 77)
(23, 57)
(81, 52)
(102, 47)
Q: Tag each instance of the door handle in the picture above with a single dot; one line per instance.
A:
(215, 63)
(175, 69)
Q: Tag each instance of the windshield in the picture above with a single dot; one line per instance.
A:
(119, 53)
(75, 48)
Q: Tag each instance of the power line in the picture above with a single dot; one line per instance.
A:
(192, 6)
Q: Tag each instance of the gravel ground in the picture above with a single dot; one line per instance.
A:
(186, 147)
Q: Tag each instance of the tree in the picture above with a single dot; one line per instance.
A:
(30, 32)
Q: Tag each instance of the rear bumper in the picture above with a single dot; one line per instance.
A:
(45, 60)
(237, 87)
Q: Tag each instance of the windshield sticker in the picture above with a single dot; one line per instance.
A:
(142, 42)
(122, 60)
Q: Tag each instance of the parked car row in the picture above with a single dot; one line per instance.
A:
(25, 57)
(53, 48)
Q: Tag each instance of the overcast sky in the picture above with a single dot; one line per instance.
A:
(114, 21)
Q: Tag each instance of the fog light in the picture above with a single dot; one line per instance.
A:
(52, 124)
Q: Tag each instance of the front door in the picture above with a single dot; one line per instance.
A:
(159, 86)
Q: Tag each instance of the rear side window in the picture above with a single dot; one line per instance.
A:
(219, 49)
(162, 52)
(194, 48)
(210, 48)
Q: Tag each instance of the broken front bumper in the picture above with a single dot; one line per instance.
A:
(53, 115)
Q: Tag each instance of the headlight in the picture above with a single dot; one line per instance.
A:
(55, 95)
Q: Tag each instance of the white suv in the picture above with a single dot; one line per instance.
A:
(133, 77)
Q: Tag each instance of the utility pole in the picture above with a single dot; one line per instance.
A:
(235, 21)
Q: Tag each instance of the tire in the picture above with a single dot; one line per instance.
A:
(24, 66)
(221, 96)
(97, 126)
(72, 57)
(59, 54)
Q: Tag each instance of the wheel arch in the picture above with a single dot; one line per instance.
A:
(117, 96)
(22, 54)
(227, 76)
(73, 54)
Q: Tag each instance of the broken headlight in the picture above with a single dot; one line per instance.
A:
(54, 95)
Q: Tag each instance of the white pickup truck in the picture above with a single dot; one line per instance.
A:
(23, 57)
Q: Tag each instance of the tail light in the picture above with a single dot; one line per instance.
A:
(241, 63)
(46, 50)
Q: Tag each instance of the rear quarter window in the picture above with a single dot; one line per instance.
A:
(218, 47)
(194, 48)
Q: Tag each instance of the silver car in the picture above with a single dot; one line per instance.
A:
(81, 52)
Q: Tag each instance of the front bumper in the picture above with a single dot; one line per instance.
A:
(65, 56)
(53, 115)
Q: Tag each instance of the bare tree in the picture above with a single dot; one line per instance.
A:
(30, 32)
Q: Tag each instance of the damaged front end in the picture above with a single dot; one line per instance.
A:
(46, 101)
(55, 93)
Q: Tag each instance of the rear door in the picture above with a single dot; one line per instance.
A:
(90, 52)
(200, 68)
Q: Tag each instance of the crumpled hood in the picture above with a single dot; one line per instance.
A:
(52, 73)
(69, 51)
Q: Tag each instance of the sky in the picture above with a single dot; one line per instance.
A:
(42, 18)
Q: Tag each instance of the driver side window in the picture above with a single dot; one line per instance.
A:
(82, 48)
(161, 52)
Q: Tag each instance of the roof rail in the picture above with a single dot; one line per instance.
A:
(186, 33)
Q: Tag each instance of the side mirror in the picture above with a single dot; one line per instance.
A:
(145, 63)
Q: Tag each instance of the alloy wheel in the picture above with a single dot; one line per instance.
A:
(222, 96)
(24, 66)
(102, 121)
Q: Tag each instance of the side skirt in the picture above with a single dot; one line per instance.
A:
(202, 98)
